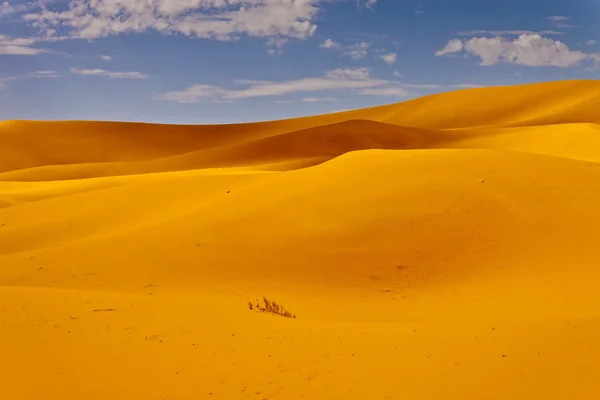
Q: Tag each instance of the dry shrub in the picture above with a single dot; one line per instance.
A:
(270, 306)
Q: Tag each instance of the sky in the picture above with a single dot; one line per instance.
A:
(231, 61)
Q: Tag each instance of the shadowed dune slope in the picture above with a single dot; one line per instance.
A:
(444, 247)
(307, 146)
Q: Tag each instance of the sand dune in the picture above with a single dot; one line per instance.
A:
(444, 247)
(317, 143)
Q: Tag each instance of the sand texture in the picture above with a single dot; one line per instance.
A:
(441, 248)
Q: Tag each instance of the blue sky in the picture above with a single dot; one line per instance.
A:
(223, 61)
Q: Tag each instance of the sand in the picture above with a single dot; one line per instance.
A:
(440, 248)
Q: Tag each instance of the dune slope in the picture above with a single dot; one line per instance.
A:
(428, 252)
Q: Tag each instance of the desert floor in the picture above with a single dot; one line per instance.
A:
(441, 248)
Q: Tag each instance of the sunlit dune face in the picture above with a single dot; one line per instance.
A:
(444, 247)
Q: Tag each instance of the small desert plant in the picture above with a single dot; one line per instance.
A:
(272, 307)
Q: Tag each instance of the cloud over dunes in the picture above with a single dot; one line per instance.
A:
(531, 50)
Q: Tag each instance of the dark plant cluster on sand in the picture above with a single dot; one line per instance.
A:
(270, 306)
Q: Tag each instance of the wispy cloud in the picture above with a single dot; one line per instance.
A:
(330, 44)
(105, 58)
(276, 44)
(389, 58)
(7, 8)
(477, 32)
(357, 80)
(385, 91)
(43, 74)
(560, 21)
(531, 50)
(317, 99)
(358, 50)
(566, 26)
(109, 74)
(596, 65)
(19, 46)
(354, 80)
(370, 3)
(453, 46)
(591, 42)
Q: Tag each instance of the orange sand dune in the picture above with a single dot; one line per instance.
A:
(27, 144)
(444, 247)
(318, 143)
(533, 104)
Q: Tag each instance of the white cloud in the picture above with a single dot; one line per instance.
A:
(44, 74)
(4, 80)
(466, 86)
(435, 86)
(590, 42)
(559, 19)
(276, 44)
(358, 50)
(386, 91)
(105, 58)
(596, 57)
(596, 66)
(528, 50)
(353, 80)
(348, 73)
(35, 74)
(389, 58)
(478, 32)
(112, 75)
(453, 46)
(6, 8)
(213, 19)
(357, 80)
(19, 46)
(370, 3)
(329, 44)
(20, 50)
(317, 99)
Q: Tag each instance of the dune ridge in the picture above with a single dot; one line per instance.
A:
(444, 247)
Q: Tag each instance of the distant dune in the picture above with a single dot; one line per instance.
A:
(444, 247)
